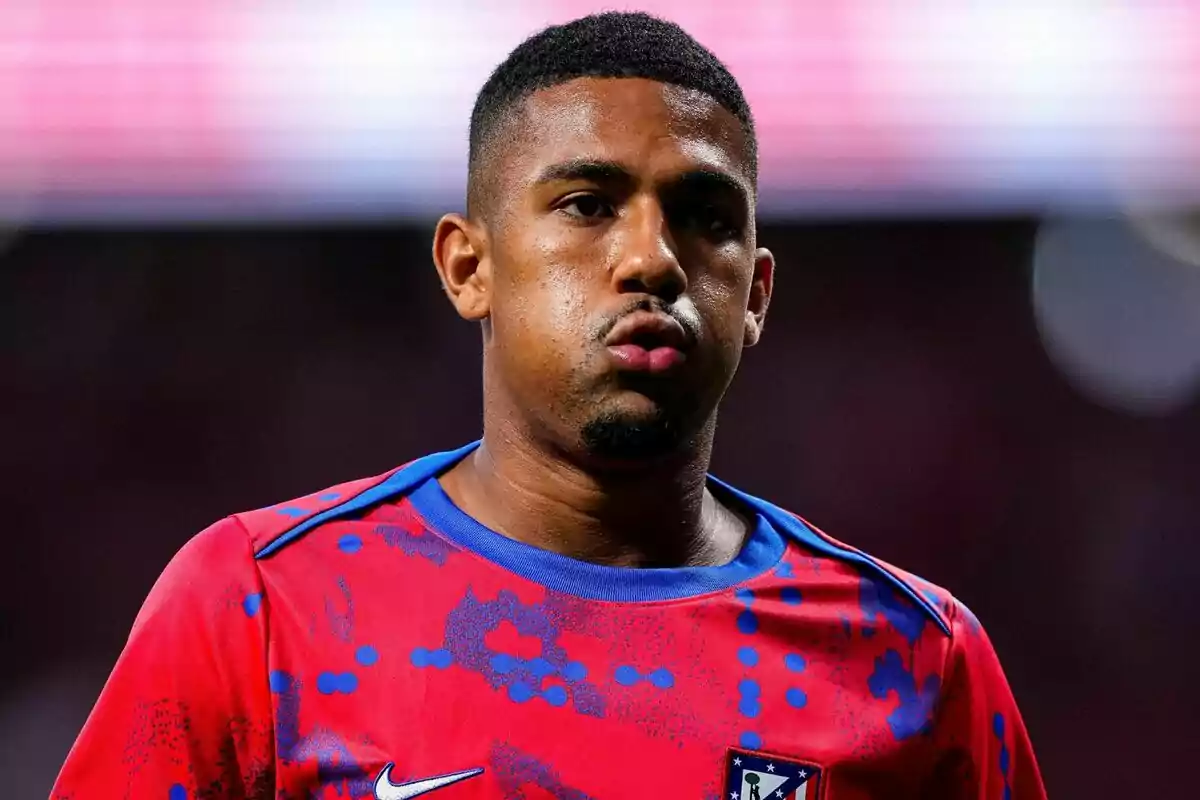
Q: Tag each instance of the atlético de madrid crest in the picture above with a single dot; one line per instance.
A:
(759, 776)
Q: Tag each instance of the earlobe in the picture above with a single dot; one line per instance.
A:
(761, 286)
(459, 253)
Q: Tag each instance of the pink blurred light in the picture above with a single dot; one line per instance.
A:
(112, 97)
(110, 94)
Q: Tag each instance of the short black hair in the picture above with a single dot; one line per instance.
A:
(612, 44)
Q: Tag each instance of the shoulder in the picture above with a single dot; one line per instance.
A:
(213, 556)
(937, 601)
(211, 584)
(269, 527)
(886, 589)
(221, 560)
(275, 527)
(218, 567)
(954, 613)
(885, 586)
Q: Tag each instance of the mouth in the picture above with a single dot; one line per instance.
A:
(648, 342)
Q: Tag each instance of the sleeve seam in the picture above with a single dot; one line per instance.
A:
(265, 609)
(948, 659)
(953, 620)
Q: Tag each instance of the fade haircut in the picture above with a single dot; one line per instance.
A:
(612, 44)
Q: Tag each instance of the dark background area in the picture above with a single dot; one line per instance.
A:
(154, 381)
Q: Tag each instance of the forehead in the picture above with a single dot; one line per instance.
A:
(649, 127)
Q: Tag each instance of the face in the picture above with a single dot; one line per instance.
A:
(615, 266)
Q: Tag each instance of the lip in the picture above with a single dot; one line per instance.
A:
(664, 330)
(648, 342)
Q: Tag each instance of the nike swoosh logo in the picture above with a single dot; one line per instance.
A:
(386, 790)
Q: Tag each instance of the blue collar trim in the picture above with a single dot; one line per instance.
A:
(763, 548)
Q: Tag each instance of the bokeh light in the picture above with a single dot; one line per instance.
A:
(1119, 317)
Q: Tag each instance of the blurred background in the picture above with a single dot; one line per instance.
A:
(983, 360)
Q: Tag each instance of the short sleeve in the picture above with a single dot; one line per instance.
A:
(983, 748)
(186, 712)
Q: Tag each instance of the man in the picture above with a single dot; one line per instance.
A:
(571, 608)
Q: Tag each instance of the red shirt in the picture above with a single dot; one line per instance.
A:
(372, 640)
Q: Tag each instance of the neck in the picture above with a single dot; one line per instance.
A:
(657, 514)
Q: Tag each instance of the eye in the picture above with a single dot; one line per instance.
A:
(710, 220)
(586, 206)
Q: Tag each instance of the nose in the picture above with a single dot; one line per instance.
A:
(648, 262)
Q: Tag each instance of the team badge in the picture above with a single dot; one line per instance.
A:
(759, 776)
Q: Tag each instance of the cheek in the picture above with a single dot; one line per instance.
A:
(564, 299)
(539, 279)
(540, 320)
(721, 296)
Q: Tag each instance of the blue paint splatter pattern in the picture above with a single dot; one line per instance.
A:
(341, 620)
(519, 773)
(337, 683)
(252, 603)
(998, 728)
(877, 598)
(915, 711)
(628, 675)
(465, 645)
(422, 543)
(974, 627)
(751, 696)
(286, 690)
(366, 655)
(336, 766)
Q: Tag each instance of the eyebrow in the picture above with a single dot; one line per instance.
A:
(700, 179)
(585, 170)
(711, 181)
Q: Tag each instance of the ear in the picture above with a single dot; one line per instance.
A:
(761, 286)
(459, 253)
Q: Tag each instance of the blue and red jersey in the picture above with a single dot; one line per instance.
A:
(373, 641)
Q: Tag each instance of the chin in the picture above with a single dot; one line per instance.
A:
(630, 436)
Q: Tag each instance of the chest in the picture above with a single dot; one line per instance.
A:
(516, 692)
